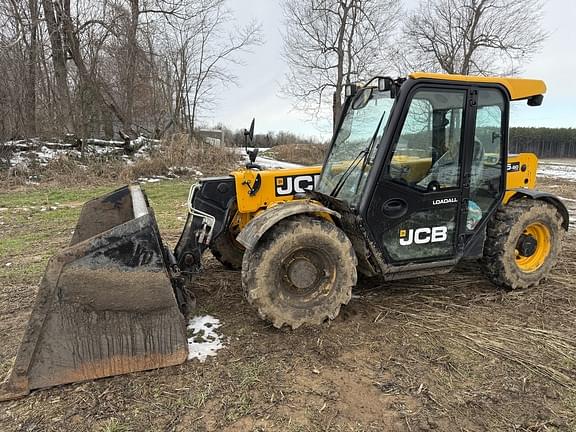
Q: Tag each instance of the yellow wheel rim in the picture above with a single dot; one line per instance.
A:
(529, 256)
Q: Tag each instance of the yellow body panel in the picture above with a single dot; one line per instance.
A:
(519, 88)
(521, 173)
(275, 186)
(278, 186)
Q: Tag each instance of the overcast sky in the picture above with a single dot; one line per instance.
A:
(257, 94)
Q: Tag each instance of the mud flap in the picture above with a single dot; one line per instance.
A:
(106, 304)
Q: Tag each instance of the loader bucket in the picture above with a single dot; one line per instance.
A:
(106, 304)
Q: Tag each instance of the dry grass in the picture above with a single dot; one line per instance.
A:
(305, 154)
(178, 150)
(546, 352)
(177, 155)
(443, 353)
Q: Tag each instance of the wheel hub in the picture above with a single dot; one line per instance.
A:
(527, 245)
(302, 273)
(533, 247)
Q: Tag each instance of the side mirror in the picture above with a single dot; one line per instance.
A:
(362, 98)
(385, 84)
(350, 90)
(252, 154)
(535, 100)
(249, 134)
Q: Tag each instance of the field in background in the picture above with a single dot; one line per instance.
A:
(438, 353)
(304, 154)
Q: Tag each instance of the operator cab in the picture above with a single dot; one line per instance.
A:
(420, 165)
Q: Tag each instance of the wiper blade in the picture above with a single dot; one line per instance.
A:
(369, 149)
(347, 173)
(361, 157)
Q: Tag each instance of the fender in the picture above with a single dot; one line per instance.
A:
(547, 197)
(258, 226)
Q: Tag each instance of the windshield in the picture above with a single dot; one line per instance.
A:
(355, 145)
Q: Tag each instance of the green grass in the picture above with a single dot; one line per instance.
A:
(50, 196)
(113, 425)
(30, 236)
(168, 199)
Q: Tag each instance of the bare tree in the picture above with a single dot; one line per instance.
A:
(91, 68)
(217, 50)
(25, 21)
(472, 36)
(328, 43)
(203, 51)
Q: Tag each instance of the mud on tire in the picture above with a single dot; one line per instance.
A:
(301, 272)
(504, 246)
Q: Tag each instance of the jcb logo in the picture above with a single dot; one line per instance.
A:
(423, 235)
(290, 185)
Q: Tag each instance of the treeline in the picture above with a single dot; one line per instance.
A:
(92, 68)
(545, 142)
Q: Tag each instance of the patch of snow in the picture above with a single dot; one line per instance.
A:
(183, 169)
(154, 179)
(242, 150)
(105, 143)
(204, 341)
(269, 163)
(9, 264)
(263, 161)
(557, 170)
(18, 159)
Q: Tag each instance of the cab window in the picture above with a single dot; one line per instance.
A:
(427, 152)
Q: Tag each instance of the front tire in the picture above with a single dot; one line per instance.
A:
(522, 243)
(227, 250)
(301, 272)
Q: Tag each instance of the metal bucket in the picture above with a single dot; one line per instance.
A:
(106, 304)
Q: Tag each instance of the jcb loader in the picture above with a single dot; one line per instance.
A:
(417, 178)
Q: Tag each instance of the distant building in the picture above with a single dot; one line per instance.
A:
(212, 136)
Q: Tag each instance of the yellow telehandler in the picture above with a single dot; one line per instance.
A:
(417, 178)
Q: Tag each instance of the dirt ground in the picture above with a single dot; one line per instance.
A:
(446, 353)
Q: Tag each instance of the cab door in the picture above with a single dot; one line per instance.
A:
(417, 204)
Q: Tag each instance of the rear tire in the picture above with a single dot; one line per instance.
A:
(227, 250)
(301, 272)
(522, 243)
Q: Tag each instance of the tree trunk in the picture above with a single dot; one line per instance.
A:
(337, 98)
(87, 80)
(132, 45)
(62, 92)
(32, 58)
